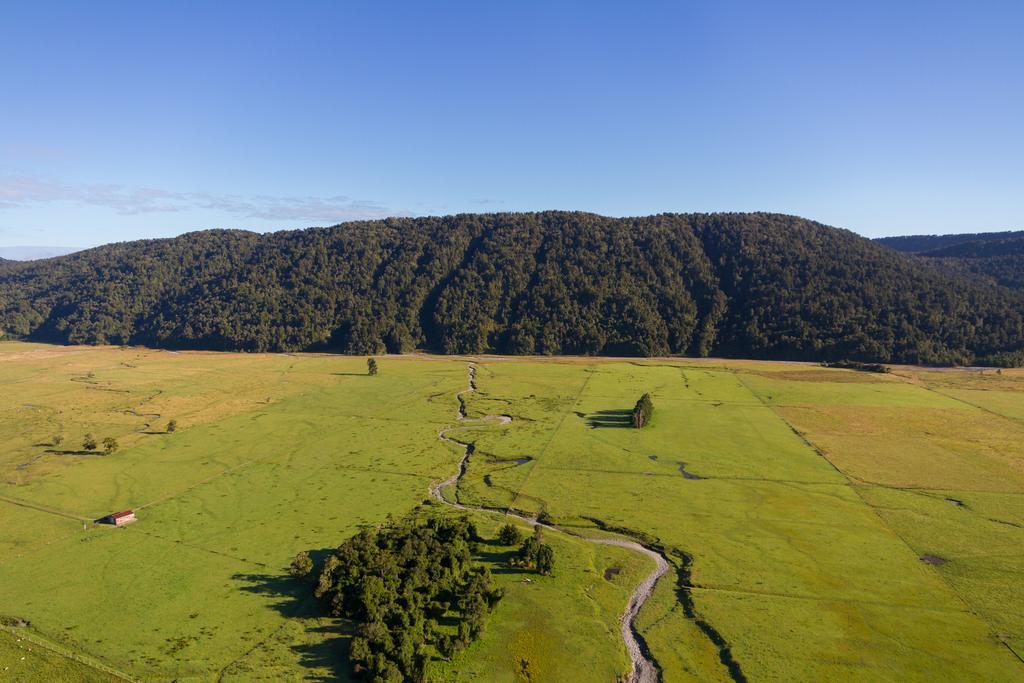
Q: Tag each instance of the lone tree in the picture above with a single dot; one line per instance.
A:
(509, 535)
(172, 426)
(89, 442)
(301, 566)
(371, 366)
(58, 439)
(110, 444)
(642, 411)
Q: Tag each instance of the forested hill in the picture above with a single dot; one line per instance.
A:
(920, 244)
(750, 285)
(992, 257)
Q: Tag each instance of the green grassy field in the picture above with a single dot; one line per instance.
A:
(799, 564)
(804, 499)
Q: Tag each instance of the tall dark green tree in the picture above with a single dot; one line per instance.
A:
(509, 534)
(643, 411)
(545, 559)
(527, 553)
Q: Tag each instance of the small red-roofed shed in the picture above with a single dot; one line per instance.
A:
(118, 518)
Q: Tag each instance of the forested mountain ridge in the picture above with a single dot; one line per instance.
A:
(920, 244)
(993, 257)
(753, 285)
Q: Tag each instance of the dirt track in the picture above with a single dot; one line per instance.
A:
(644, 669)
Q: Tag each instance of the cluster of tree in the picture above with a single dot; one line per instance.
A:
(533, 553)
(740, 285)
(399, 583)
(89, 443)
(109, 443)
(1004, 271)
(995, 258)
(856, 365)
(642, 411)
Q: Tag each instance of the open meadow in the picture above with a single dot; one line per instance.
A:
(820, 523)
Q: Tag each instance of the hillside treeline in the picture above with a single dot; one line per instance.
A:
(994, 258)
(751, 285)
(920, 244)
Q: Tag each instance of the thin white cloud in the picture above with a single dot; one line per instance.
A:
(272, 208)
(21, 191)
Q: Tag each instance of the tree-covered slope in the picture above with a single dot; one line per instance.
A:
(994, 258)
(919, 244)
(758, 285)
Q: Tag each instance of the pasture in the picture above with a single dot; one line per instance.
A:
(795, 503)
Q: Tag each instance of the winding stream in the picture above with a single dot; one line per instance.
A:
(645, 670)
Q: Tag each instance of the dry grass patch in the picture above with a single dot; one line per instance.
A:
(962, 449)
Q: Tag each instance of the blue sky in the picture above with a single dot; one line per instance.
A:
(129, 120)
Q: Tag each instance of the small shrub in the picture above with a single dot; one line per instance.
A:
(301, 566)
(856, 365)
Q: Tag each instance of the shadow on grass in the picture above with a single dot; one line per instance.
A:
(499, 561)
(611, 418)
(293, 599)
(330, 652)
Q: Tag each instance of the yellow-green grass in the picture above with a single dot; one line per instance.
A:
(998, 392)
(223, 503)
(776, 531)
(663, 622)
(819, 490)
(26, 657)
(947, 480)
(548, 628)
(197, 588)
